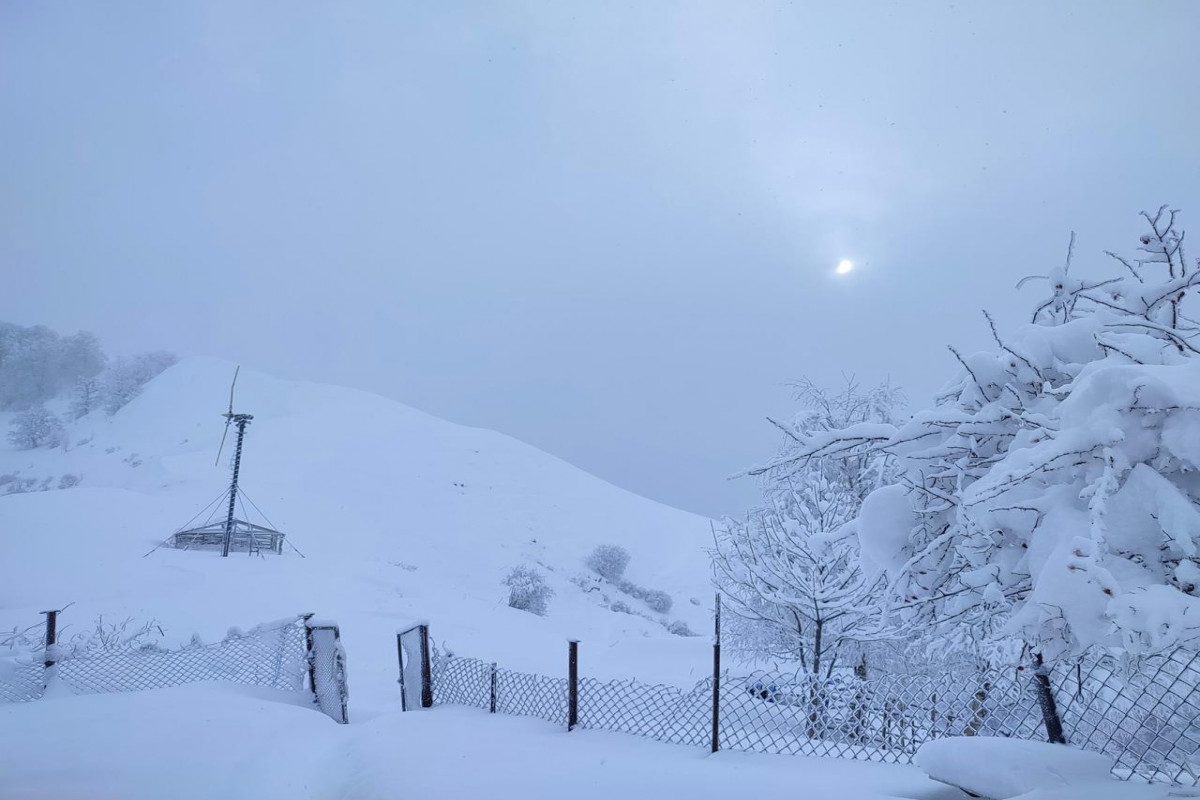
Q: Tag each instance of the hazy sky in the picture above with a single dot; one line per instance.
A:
(606, 228)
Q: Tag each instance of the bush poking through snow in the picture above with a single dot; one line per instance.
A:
(632, 589)
(680, 628)
(114, 637)
(609, 561)
(527, 590)
(659, 601)
(69, 481)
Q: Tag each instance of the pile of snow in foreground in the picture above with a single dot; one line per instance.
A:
(999, 769)
(207, 741)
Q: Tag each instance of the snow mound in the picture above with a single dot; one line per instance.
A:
(1112, 790)
(998, 768)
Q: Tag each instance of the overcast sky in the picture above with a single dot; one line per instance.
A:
(606, 228)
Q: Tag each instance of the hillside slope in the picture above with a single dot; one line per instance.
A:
(400, 515)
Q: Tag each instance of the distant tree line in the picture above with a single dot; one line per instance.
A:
(38, 365)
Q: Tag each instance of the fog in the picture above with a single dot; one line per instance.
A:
(608, 229)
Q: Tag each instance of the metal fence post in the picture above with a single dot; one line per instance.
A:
(51, 636)
(716, 701)
(426, 670)
(572, 684)
(400, 662)
(51, 641)
(1046, 702)
(492, 704)
(308, 655)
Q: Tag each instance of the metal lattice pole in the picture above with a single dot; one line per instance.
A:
(242, 420)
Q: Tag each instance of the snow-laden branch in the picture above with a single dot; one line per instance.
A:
(1050, 495)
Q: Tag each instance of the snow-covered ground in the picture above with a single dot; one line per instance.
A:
(401, 515)
(205, 742)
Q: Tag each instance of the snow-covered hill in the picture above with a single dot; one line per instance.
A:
(400, 515)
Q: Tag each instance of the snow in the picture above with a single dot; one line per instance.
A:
(401, 515)
(1000, 768)
(883, 526)
(206, 741)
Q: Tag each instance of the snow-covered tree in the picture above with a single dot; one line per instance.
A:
(80, 357)
(28, 365)
(37, 365)
(36, 427)
(125, 379)
(86, 396)
(789, 569)
(1052, 493)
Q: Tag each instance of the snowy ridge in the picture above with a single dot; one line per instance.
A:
(400, 516)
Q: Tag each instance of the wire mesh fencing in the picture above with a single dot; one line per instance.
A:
(288, 655)
(1145, 714)
(326, 661)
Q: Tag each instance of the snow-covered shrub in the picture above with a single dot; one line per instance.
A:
(659, 601)
(69, 481)
(621, 607)
(609, 561)
(680, 628)
(1050, 494)
(19, 485)
(36, 427)
(632, 589)
(527, 590)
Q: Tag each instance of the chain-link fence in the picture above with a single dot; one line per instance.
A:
(327, 669)
(291, 655)
(1145, 715)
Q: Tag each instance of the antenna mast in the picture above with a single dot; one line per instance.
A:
(229, 533)
(241, 420)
